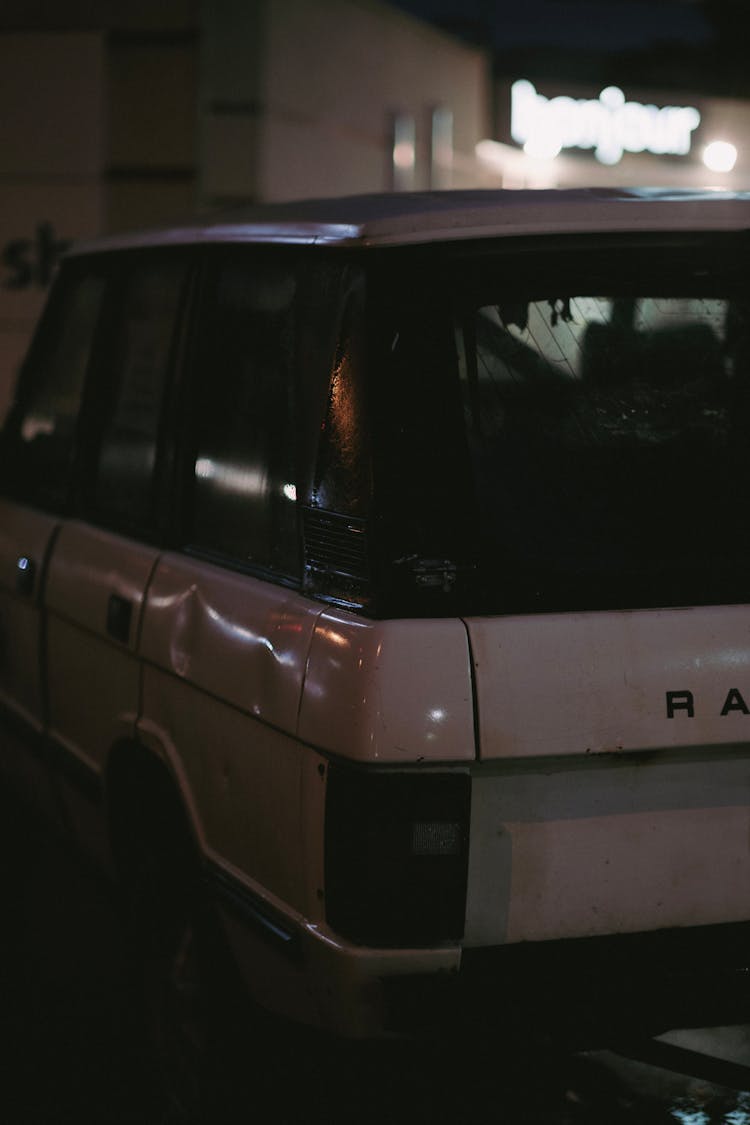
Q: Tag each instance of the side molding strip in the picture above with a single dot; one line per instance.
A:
(251, 909)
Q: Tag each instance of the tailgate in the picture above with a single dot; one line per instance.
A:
(613, 793)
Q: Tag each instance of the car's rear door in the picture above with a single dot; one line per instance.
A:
(613, 794)
(103, 560)
(40, 445)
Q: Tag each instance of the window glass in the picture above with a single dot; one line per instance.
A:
(341, 483)
(425, 523)
(244, 489)
(137, 363)
(609, 439)
(42, 426)
(604, 409)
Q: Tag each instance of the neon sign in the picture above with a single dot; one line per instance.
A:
(609, 124)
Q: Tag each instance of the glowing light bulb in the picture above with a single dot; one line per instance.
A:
(720, 156)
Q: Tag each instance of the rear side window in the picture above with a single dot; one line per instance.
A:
(244, 490)
(135, 366)
(342, 472)
(42, 429)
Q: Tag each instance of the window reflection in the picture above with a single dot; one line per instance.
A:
(608, 438)
(342, 474)
(42, 425)
(139, 357)
(242, 498)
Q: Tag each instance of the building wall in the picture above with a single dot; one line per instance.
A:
(151, 142)
(97, 132)
(117, 116)
(299, 99)
(720, 119)
(233, 63)
(51, 164)
(339, 72)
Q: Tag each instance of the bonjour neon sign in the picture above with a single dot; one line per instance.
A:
(609, 124)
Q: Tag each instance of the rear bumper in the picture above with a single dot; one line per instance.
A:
(583, 989)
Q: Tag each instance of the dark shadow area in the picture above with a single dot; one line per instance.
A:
(74, 1049)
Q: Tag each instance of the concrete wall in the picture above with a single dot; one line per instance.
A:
(151, 140)
(51, 157)
(339, 71)
(233, 63)
(117, 116)
(298, 99)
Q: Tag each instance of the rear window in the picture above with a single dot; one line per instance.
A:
(605, 418)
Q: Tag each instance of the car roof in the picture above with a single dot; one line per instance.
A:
(424, 217)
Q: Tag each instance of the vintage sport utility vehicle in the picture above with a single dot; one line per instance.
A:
(387, 557)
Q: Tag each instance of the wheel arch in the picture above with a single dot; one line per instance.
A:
(144, 797)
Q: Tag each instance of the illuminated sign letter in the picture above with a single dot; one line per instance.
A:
(609, 124)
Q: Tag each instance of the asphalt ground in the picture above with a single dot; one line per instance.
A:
(72, 1047)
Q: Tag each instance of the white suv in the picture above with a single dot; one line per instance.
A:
(382, 564)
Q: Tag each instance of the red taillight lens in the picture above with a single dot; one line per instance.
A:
(396, 855)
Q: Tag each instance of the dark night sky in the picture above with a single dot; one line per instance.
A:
(605, 25)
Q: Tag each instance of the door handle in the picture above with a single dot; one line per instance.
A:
(119, 614)
(25, 576)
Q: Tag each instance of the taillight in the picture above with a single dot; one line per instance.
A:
(397, 848)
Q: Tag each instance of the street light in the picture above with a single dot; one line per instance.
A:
(720, 156)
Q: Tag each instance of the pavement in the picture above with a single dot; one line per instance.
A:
(73, 1050)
